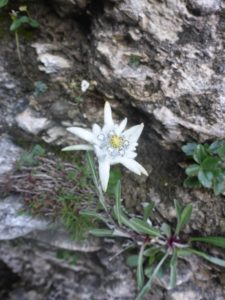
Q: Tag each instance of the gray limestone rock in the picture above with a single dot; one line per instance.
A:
(9, 153)
(14, 223)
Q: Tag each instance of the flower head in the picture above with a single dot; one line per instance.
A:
(112, 145)
(84, 85)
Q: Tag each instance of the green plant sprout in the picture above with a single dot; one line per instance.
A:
(39, 88)
(159, 245)
(209, 168)
(68, 256)
(18, 20)
(134, 61)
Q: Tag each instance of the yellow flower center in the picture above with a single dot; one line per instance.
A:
(116, 141)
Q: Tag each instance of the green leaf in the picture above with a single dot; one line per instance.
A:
(210, 163)
(118, 209)
(218, 186)
(101, 232)
(178, 209)
(38, 150)
(213, 148)
(91, 165)
(120, 233)
(132, 260)
(185, 217)
(3, 3)
(148, 210)
(200, 154)
(183, 252)
(213, 240)
(189, 148)
(40, 88)
(192, 170)
(24, 19)
(192, 182)
(206, 178)
(148, 285)
(33, 23)
(221, 152)
(173, 270)
(140, 272)
(143, 227)
(151, 251)
(115, 176)
(166, 229)
(212, 259)
(93, 214)
(15, 25)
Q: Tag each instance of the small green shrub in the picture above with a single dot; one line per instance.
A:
(208, 169)
(134, 61)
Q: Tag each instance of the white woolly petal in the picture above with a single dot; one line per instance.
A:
(131, 154)
(84, 85)
(143, 171)
(78, 147)
(96, 129)
(82, 133)
(133, 166)
(108, 120)
(104, 171)
(133, 133)
(122, 126)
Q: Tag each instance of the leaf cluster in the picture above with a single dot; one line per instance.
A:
(22, 18)
(30, 158)
(208, 169)
(160, 246)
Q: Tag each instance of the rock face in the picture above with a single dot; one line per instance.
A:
(157, 62)
(166, 57)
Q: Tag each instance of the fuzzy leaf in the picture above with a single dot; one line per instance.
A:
(205, 178)
(189, 148)
(192, 170)
(210, 163)
(218, 186)
(33, 23)
(148, 285)
(132, 260)
(140, 272)
(101, 232)
(213, 240)
(213, 148)
(15, 25)
(118, 209)
(166, 229)
(200, 154)
(178, 209)
(212, 259)
(143, 227)
(91, 165)
(173, 270)
(148, 210)
(93, 214)
(192, 182)
(184, 218)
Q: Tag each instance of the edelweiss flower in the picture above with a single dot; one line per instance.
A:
(84, 85)
(112, 145)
